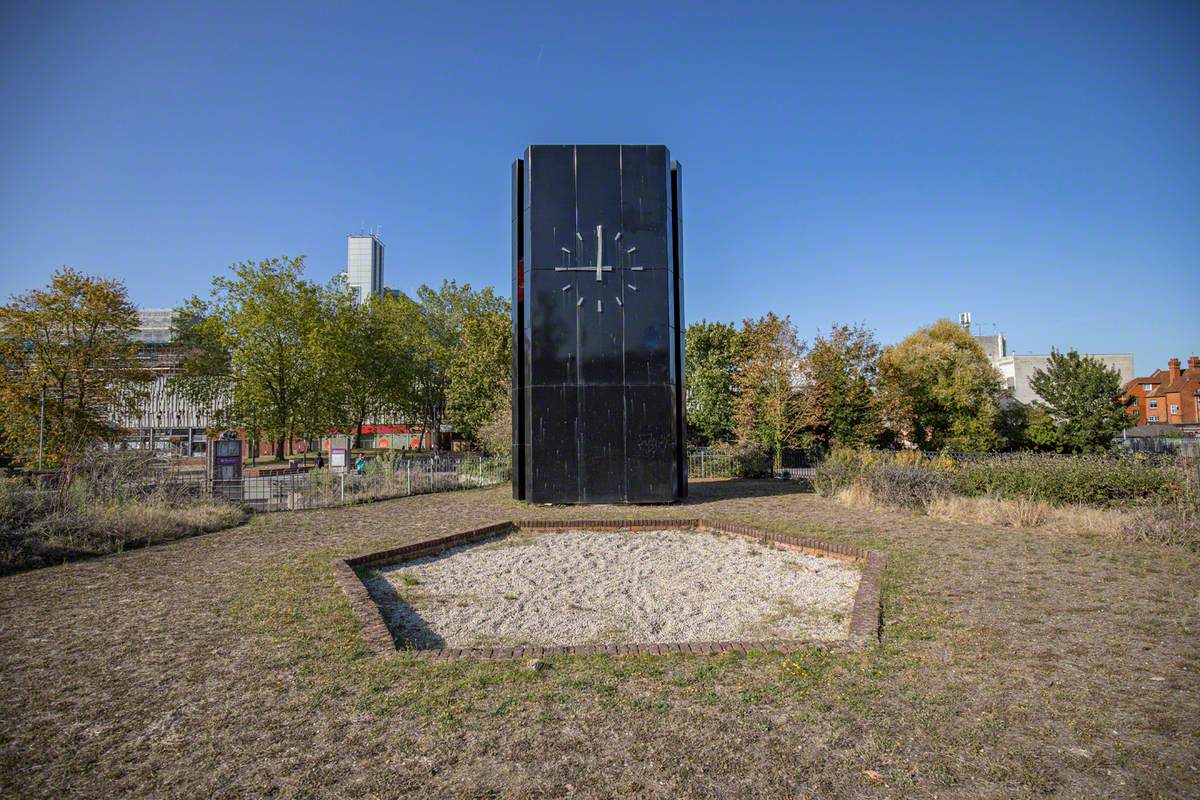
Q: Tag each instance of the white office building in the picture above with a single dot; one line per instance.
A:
(1017, 370)
(364, 264)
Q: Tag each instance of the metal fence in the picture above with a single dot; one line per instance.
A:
(704, 462)
(382, 479)
(1188, 447)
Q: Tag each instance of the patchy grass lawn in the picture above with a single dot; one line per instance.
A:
(1014, 663)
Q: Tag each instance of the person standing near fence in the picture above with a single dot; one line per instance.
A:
(320, 460)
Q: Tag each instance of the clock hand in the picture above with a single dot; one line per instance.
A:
(599, 249)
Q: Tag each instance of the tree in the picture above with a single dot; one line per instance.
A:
(711, 368)
(252, 349)
(366, 371)
(479, 372)
(839, 377)
(1082, 399)
(769, 410)
(938, 389)
(434, 323)
(71, 342)
(495, 435)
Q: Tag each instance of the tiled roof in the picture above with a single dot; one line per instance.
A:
(1163, 383)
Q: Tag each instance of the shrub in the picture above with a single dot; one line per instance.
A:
(841, 469)
(1094, 480)
(906, 486)
(752, 462)
(1127, 498)
(738, 462)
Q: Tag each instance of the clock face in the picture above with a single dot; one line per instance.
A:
(610, 260)
(598, 314)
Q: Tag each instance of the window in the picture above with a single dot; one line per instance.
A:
(1153, 417)
(1147, 387)
(1174, 408)
(1154, 404)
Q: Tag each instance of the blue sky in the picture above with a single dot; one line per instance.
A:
(1037, 164)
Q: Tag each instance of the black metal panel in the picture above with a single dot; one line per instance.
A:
(648, 327)
(598, 203)
(644, 221)
(602, 444)
(679, 367)
(599, 325)
(650, 443)
(553, 456)
(551, 203)
(518, 329)
(551, 300)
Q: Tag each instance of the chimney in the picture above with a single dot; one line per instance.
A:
(1194, 362)
(1173, 368)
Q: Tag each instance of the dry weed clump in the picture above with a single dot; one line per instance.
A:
(111, 504)
(73, 533)
(1161, 526)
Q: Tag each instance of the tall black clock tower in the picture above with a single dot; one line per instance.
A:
(598, 396)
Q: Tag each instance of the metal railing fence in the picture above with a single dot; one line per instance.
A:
(381, 479)
(704, 462)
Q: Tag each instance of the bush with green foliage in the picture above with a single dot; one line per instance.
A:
(1113, 481)
(752, 462)
(1094, 480)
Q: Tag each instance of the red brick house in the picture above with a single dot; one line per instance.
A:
(1167, 397)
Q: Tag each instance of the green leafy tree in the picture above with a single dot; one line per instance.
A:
(711, 380)
(367, 372)
(433, 322)
(937, 389)
(1039, 431)
(840, 374)
(1082, 403)
(480, 373)
(495, 435)
(71, 343)
(770, 408)
(252, 350)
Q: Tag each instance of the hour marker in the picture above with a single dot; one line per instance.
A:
(631, 250)
(565, 250)
(631, 286)
(617, 238)
(578, 236)
(579, 303)
(567, 287)
(600, 306)
(637, 269)
(619, 302)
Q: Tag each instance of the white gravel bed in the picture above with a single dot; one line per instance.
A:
(589, 587)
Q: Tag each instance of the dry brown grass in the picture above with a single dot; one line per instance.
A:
(1013, 664)
(1163, 526)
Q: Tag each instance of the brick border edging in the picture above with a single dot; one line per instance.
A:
(865, 616)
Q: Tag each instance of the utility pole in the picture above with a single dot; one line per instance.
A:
(42, 426)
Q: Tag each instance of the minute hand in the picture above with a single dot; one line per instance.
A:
(597, 269)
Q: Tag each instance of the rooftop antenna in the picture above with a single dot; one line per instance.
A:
(964, 319)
